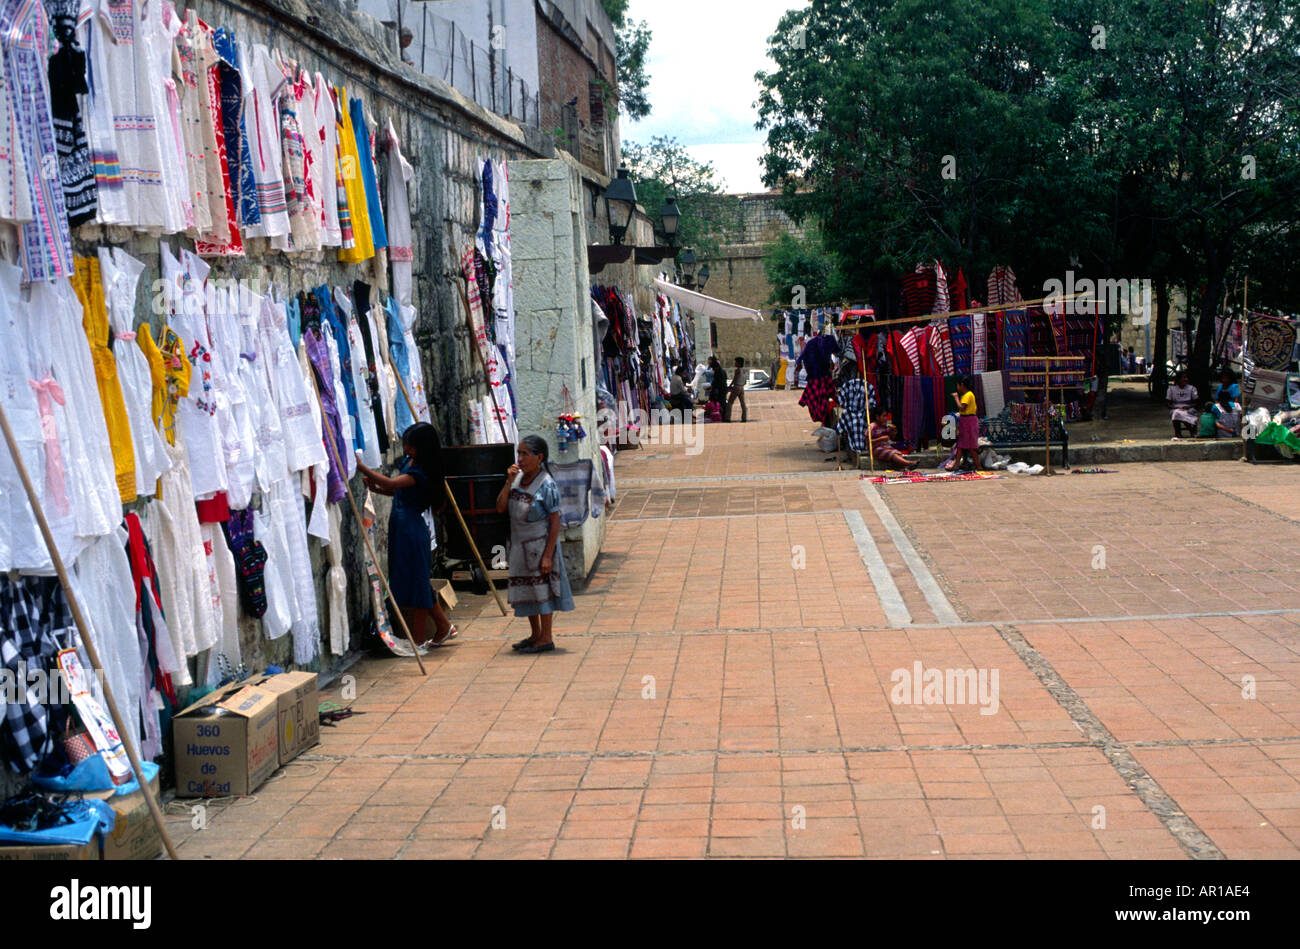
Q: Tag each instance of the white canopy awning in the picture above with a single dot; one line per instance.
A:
(708, 306)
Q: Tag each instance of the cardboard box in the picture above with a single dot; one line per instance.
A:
(226, 743)
(297, 711)
(86, 851)
(444, 591)
(134, 835)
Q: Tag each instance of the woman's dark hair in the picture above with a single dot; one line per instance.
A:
(1182, 374)
(423, 439)
(1225, 371)
(537, 445)
(968, 382)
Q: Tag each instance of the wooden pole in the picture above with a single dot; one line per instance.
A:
(83, 629)
(361, 524)
(487, 376)
(454, 506)
(866, 401)
(998, 308)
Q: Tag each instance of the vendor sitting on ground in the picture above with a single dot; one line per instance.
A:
(1181, 397)
(882, 434)
(1227, 416)
(1208, 427)
(1227, 383)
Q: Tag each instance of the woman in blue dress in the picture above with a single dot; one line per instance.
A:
(539, 584)
(415, 488)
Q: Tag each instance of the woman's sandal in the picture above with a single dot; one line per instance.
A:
(540, 647)
(452, 632)
(522, 643)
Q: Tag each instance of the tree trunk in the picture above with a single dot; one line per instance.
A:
(1198, 366)
(1159, 377)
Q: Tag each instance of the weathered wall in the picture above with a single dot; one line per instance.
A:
(553, 339)
(445, 137)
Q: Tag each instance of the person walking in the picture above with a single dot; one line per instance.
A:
(717, 385)
(539, 584)
(417, 487)
(820, 390)
(737, 391)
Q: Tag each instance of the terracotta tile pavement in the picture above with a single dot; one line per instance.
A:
(729, 685)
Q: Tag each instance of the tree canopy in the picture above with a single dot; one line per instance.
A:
(1127, 138)
(664, 168)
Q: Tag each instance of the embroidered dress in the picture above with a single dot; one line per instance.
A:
(350, 170)
(263, 84)
(120, 273)
(67, 75)
(307, 227)
(347, 423)
(33, 401)
(170, 372)
(197, 411)
(399, 218)
(99, 35)
(1182, 404)
(172, 527)
(370, 452)
(530, 507)
(224, 239)
(379, 235)
(193, 95)
(293, 396)
(96, 503)
(90, 292)
(327, 178)
(235, 131)
(45, 248)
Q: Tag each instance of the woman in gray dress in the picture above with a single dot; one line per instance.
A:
(539, 584)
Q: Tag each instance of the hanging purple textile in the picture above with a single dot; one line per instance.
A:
(318, 354)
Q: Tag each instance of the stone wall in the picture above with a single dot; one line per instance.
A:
(553, 339)
(445, 137)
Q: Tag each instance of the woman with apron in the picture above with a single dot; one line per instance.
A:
(539, 585)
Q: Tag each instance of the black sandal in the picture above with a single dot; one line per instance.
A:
(540, 647)
(522, 643)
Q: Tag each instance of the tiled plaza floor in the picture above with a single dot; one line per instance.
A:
(729, 684)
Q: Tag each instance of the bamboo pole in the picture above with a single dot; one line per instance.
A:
(83, 630)
(997, 308)
(361, 524)
(487, 376)
(454, 506)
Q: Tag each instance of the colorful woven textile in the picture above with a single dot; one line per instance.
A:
(1270, 342)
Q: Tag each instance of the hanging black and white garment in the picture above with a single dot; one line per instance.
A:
(32, 611)
(852, 423)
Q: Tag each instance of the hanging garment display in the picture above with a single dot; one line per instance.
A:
(34, 616)
(120, 273)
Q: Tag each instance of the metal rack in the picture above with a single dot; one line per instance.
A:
(1071, 373)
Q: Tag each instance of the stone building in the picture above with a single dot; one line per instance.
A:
(737, 275)
(550, 64)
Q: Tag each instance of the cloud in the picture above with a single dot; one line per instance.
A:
(738, 164)
(703, 56)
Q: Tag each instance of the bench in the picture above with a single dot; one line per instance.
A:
(1002, 432)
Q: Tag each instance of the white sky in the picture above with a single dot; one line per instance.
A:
(703, 56)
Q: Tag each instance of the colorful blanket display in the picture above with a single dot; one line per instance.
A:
(915, 369)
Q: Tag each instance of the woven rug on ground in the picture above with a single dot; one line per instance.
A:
(915, 477)
(1269, 342)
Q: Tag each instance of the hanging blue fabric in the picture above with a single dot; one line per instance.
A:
(295, 321)
(376, 213)
(402, 360)
(489, 208)
(239, 164)
(334, 319)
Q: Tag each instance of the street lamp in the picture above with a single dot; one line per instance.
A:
(686, 261)
(620, 203)
(670, 216)
(703, 278)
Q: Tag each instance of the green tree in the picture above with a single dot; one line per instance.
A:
(633, 46)
(663, 168)
(923, 129)
(799, 270)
